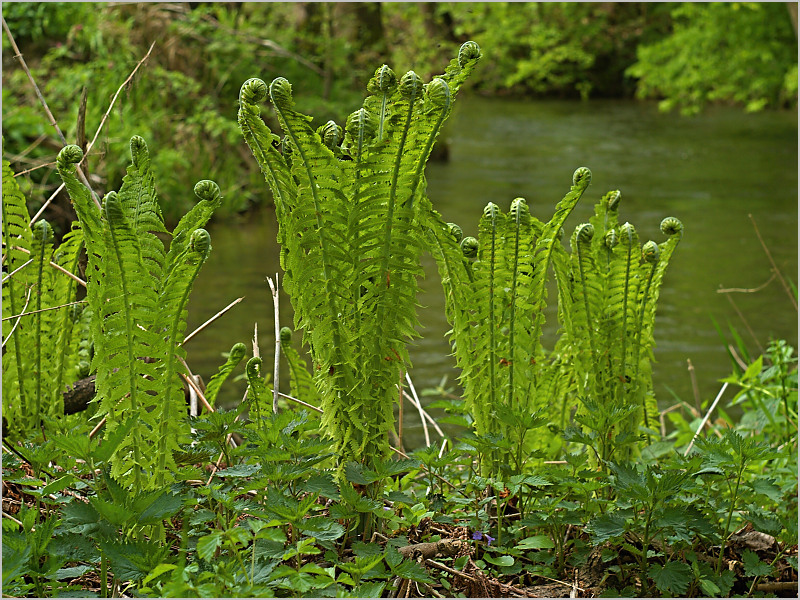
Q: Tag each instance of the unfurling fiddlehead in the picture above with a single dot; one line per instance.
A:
(469, 246)
(382, 84)
(469, 51)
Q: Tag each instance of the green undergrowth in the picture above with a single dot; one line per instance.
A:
(272, 519)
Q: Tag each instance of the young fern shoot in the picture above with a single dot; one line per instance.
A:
(351, 207)
(138, 293)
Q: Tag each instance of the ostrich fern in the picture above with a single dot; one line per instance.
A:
(608, 292)
(351, 210)
(138, 292)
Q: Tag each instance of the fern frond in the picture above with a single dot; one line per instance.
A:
(172, 316)
(67, 339)
(16, 234)
(41, 253)
(544, 250)
(235, 356)
(122, 370)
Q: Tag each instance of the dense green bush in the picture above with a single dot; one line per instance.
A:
(743, 53)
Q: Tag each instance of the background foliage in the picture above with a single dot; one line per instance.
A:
(180, 101)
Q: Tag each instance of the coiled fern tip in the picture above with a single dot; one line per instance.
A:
(69, 155)
(469, 51)
(207, 190)
(280, 92)
(671, 226)
(253, 91)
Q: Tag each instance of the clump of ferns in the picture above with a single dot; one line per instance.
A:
(138, 293)
(496, 306)
(42, 323)
(352, 215)
(608, 292)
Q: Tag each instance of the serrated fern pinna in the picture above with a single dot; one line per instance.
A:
(608, 291)
(495, 305)
(351, 208)
(138, 292)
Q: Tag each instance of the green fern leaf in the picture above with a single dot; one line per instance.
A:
(235, 356)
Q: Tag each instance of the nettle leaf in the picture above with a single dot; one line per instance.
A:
(356, 473)
(133, 561)
(754, 566)
(323, 484)
(244, 470)
(370, 589)
(322, 528)
(401, 497)
(411, 570)
(768, 488)
(163, 507)
(673, 577)
(606, 527)
(207, 545)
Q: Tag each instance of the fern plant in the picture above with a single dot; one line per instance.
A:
(496, 308)
(42, 323)
(351, 210)
(608, 291)
(138, 293)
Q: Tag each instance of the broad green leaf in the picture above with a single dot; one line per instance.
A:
(161, 508)
(411, 570)
(535, 542)
(323, 484)
(58, 484)
(208, 544)
(111, 512)
(370, 589)
(159, 570)
(244, 470)
(500, 561)
(606, 527)
(673, 578)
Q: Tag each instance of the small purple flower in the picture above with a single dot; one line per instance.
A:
(477, 536)
(489, 539)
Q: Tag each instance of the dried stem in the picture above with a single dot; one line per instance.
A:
(695, 389)
(212, 319)
(33, 312)
(705, 419)
(419, 408)
(774, 266)
(276, 372)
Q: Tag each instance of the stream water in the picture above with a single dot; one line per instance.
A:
(711, 171)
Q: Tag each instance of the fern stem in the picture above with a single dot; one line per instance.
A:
(492, 337)
(113, 215)
(628, 233)
(37, 319)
